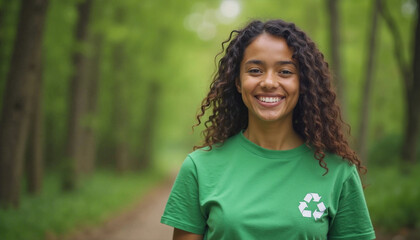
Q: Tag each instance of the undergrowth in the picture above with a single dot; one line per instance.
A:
(393, 197)
(56, 212)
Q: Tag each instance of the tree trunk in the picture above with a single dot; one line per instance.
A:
(122, 156)
(411, 81)
(148, 127)
(120, 114)
(335, 41)
(366, 91)
(411, 138)
(17, 106)
(78, 101)
(35, 152)
(2, 48)
(89, 129)
(2, 53)
(7, 8)
(122, 150)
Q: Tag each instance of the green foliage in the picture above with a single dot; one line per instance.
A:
(58, 45)
(54, 212)
(393, 191)
(393, 198)
(386, 151)
(158, 47)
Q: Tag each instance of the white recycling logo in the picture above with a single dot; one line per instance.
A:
(317, 214)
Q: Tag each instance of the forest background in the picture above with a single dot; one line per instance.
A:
(98, 99)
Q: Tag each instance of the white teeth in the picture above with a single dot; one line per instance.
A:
(269, 99)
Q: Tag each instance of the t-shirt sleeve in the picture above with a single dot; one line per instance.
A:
(182, 210)
(352, 220)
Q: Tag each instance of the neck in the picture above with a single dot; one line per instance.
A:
(274, 136)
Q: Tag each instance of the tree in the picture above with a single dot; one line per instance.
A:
(78, 100)
(2, 25)
(334, 25)
(19, 92)
(35, 153)
(411, 82)
(9, 13)
(120, 114)
(367, 86)
(89, 152)
(413, 99)
(146, 153)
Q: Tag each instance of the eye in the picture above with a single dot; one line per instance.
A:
(254, 71)
(285, 72)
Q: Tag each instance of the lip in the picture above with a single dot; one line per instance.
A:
(270, 104)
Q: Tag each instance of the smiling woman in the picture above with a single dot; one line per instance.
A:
(269, 85)
(274, 163)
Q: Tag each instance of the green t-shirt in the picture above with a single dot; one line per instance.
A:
(243, 191)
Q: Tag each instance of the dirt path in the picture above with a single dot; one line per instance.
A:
(140, 223)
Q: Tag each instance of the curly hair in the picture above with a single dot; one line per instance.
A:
(316, 117)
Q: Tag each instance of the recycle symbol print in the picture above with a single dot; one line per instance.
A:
(307, 213)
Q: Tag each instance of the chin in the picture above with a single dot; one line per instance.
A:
(270, 118)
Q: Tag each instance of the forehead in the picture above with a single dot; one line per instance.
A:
(268, 47)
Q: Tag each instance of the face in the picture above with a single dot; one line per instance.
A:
(269, 80)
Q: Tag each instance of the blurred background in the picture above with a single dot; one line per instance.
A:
(98, 98)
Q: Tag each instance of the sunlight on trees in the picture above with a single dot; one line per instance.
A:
(204, 20)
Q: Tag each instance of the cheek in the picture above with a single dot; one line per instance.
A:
(292, 86)
(248, 84)
(242, 86)
(296, 86)
(294, 90)
(245, 88)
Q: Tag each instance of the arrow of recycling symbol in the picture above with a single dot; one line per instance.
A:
(308, 198)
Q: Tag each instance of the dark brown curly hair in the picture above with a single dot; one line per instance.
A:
(316, 117)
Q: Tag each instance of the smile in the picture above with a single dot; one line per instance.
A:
(270, 99)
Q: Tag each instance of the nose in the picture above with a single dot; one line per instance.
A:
(269, 81)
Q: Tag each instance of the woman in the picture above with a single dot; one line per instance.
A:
(274, 163)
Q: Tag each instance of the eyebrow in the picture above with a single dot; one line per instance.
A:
(259, 62)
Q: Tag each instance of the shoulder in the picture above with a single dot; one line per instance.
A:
(217, 151)
(338, 167)
(338, 162)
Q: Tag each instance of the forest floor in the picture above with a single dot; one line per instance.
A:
(138, 222)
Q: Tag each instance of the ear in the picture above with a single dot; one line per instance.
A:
(238, 85)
